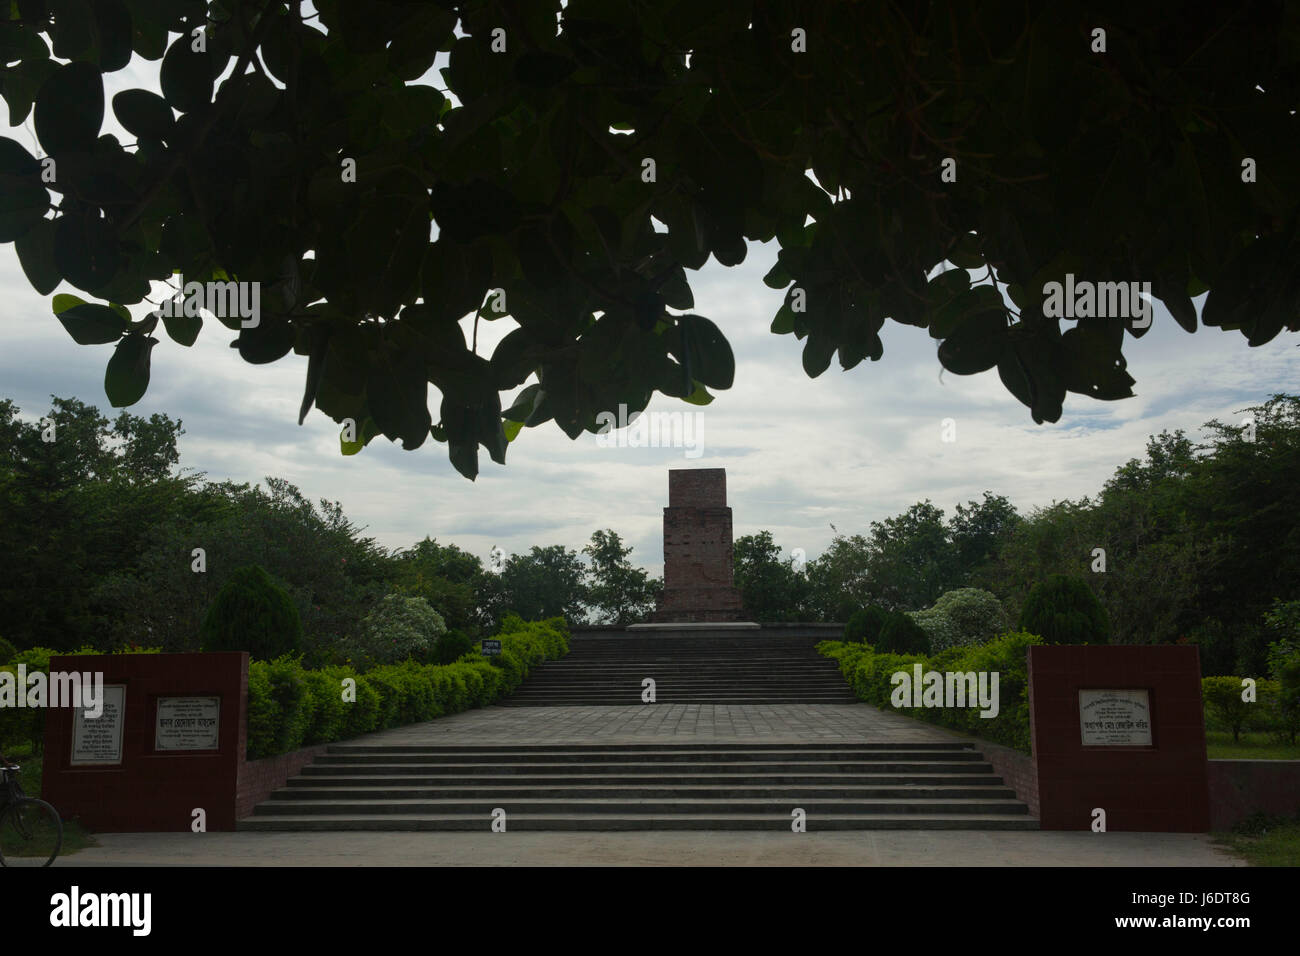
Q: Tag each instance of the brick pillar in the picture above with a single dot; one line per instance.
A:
(698, 582)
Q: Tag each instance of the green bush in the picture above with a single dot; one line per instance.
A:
(865, 625)
(870, 674)
(399, 628)
(963, 616)
(1063, 610)
(902, 635)
(252, 613)
(289, 706)
(453, 645)
(1223, 704)
(7, 651)
(1284, 668)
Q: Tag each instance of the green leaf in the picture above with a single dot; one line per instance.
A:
(35, 250)
(977, 345)
(62, 302)
(966, 253)
(186, 76)
(705, 352)
(70, 108)
(183, 329)
(127, 377)
(700, 396)
(146, 115)
(90, 324)
(85, 251)
(511, 428)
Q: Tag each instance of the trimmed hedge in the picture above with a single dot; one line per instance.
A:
(869, 674)
(291, 707)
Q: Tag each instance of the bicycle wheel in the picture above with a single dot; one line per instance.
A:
(31, 834)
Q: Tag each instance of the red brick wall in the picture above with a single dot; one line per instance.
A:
(151, 790)
(1017, 771)
(1239, 788)
(697, 488)
(1163, 787)
(258, 778)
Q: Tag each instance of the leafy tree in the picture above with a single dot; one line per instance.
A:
(618, 592)
(770, 587)
(545, 582)
(838, 578)
(978, 529)
(449, 578)
(913, 560)
(252, 613)
(1021, 145)
(1063, 610)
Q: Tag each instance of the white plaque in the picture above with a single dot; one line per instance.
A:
(1115, 718)
(98, 740)
(187, 723)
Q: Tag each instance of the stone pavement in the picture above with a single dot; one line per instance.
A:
(681, 723)
(662, 848)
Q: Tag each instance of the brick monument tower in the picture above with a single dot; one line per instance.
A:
(698, 584)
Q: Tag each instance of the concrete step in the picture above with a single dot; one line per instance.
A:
(775, 821)
(614, 756)
(604, 750)
(483, 806)
(532, 790)
(733, 780)
(463, 770)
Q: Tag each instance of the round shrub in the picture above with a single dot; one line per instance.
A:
(961, 617)
(7, 651)
(252, 613)
(399, 628)
(453, 645)
(1063, 610)
(902, 635)
(865, 625)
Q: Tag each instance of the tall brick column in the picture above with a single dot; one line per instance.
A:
(698, 583)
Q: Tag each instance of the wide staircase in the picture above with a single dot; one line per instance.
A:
(667, 784)
(652, 786)
(690, 669)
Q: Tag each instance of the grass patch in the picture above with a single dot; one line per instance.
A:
(1264, 840)
(75, 836)
(1251, 746)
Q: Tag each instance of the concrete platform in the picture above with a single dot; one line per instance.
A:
(666, 848)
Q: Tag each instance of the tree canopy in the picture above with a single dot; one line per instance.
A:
(573, 164)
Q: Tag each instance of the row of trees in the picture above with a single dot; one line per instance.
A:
(1194, 543)
(98, 531)
(105, 542)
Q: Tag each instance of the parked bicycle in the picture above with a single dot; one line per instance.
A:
(31, 832)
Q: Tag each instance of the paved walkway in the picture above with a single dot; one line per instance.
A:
(700, 848)
(777, 723)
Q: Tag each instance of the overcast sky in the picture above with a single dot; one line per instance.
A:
(801, 454)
